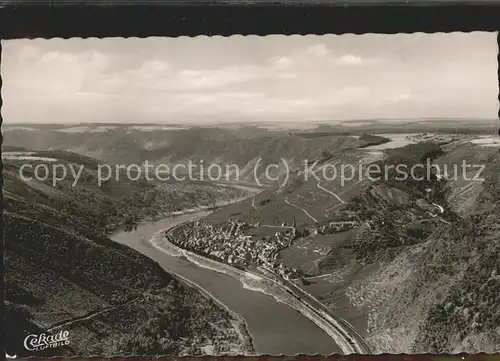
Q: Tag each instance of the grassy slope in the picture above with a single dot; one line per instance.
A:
(468, 317)
(434, 290)
(409, 282)
(60, 266)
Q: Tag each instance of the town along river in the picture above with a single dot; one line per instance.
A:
(275, 327)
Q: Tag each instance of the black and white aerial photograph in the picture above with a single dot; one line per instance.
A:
(252, 195)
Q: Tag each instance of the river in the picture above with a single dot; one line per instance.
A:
(396, 141)
(275, 327)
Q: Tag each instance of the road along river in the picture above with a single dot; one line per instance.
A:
(275, 327)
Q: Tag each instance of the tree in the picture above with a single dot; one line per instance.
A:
(130, 222)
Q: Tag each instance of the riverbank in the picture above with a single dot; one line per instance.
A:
(232, 333)
(191, 210)
(264, 318)
(262, 283)
(275, 327)
(246, 348)
(237, 321)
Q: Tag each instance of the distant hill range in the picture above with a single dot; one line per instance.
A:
(353, 126)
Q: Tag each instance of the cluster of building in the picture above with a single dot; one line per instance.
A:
(230, 243)
(236, 244)
(336, 227)
(440, 138)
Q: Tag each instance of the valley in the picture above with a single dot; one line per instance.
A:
(399, 259)
(62, 269)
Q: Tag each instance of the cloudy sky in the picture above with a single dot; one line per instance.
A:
(272, 78)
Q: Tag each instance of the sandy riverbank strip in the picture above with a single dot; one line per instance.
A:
(257, 283)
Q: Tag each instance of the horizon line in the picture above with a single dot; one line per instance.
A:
(256, 122)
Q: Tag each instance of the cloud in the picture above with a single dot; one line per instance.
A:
(55, 56)
(350, 59)
(318, 50)
(197, 79)
(401, 97)
(217, 97)
(282, 63)
(351, 93)
(153, 67)
(259, 78)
